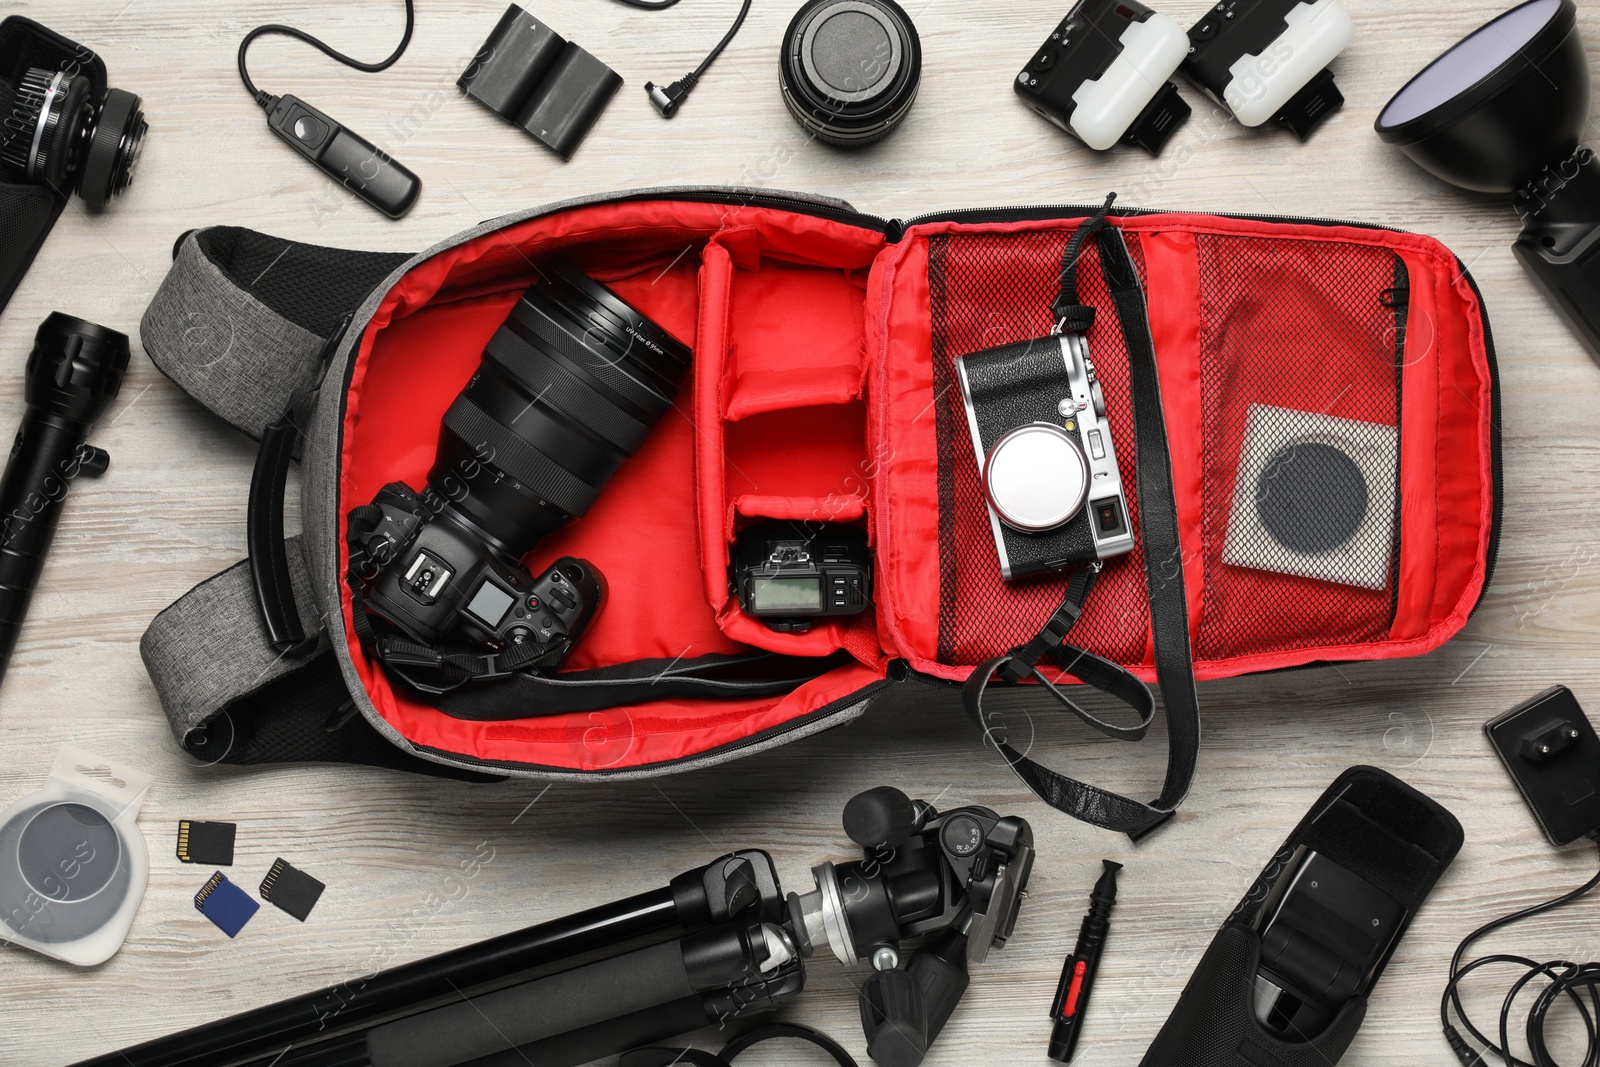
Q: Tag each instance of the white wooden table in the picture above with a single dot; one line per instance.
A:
(171, 512)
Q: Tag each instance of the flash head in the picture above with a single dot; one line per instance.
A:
(1503, 111)
(1267, 60)
(1103, 75)
(1493, 111)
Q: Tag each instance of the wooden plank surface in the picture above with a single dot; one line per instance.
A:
(391, 847)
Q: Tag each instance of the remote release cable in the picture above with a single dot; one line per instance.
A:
(341, 153)
(667, 99)
(1578, 982)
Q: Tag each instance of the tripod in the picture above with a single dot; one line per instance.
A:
(717, 942)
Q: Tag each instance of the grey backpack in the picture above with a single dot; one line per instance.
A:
(824, 389)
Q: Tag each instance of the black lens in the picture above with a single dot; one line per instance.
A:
(850, 69)
(54, 133)
(111, 146)
(569, 388)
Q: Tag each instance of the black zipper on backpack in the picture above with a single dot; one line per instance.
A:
(1496, 460)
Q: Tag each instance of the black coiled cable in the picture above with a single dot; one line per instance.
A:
(1578, 982)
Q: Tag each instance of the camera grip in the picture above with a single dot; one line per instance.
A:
(1215, 1025)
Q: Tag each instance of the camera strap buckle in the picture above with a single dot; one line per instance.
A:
(1024, 658)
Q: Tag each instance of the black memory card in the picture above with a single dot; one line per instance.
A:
(291, 889)
(210, 843)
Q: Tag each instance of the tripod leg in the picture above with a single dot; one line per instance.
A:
(709, 967)
(471, 1029)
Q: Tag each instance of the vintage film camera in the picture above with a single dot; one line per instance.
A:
(1103, 76)
(788, 574)
(1045, 454)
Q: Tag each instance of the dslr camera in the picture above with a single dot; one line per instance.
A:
(63, 130)
(569, 387)
(1045, 455)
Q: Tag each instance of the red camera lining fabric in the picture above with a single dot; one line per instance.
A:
(822, 390)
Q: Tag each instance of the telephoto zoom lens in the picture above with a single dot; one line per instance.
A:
(850, 69)
(569, 387)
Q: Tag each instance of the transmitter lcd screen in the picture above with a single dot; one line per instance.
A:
(780, 595)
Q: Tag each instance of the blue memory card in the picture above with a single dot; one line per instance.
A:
(225, 904)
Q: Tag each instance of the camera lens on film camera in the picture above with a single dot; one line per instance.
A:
(57, 133)
(850, 69)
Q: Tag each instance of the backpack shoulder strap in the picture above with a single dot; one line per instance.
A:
(242, 319)
(231, 697)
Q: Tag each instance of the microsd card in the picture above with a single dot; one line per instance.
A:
(291, 889)
(225, 904)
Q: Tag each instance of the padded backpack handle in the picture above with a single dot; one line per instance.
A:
(269, 558)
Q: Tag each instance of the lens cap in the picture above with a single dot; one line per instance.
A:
(850, 69)
(1036, 478)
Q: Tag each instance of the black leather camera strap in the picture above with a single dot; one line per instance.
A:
(1163, 556)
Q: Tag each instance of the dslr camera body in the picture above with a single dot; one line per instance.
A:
(435, 577)
(63, 130)
(1045, 455)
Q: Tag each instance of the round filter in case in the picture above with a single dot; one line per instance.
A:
(72, 863)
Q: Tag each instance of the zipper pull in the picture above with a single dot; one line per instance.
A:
(893, 230)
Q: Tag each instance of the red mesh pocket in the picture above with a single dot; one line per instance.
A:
(988, 290)
(1300, 400)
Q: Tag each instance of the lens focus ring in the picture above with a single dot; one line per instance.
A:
(112, 149)
(520, 461)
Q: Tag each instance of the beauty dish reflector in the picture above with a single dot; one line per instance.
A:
(1504, 112)
(1493, 111)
